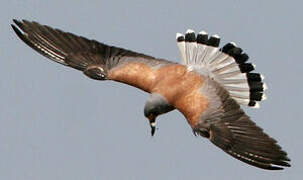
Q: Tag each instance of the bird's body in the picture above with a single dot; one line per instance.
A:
(207, 88)
(180, 87)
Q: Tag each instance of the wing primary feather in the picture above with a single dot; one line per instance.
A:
(94, 59)
(232, 130)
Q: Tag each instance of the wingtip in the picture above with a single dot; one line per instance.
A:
(13, 26)
(25, 21)
(17, 31)
(280, 166)
(15, 21)
(275, 168)
(287, 164)
(18, 22)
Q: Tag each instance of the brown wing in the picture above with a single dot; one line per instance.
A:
(229, 128)
(96, 60)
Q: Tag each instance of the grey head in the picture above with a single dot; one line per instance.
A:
(154, 106)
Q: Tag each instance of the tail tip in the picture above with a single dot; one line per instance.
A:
(189, 31)
(256, 106)
(265, 86)
(180, 37)
(190, 36)
(264, 97)
(233, 43)
(203, 32)
(216, 36)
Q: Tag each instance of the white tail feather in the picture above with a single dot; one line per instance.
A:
(181, 46)
(204, 56)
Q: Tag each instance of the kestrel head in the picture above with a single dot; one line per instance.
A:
(156, 105)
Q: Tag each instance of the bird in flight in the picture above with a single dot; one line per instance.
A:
(208, 87)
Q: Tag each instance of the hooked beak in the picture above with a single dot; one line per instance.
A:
(152, 122)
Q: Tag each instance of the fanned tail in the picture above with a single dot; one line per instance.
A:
(227, 65)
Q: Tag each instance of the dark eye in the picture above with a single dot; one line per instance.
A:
(153, 111)
(150, 112)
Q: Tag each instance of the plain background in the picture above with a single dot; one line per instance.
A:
(55, 123)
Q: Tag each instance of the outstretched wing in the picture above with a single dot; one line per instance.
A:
(229, 128)
(97, 60)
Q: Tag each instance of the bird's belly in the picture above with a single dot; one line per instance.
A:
(181, 88)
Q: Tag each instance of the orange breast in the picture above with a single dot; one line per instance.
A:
(180, 87)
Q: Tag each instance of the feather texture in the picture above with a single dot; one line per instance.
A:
(227, 66)
(95, 59)
(228, 127)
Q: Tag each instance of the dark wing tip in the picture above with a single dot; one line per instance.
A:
(16, 30)
(16, 21)
(19, 23)
(278, 165)
(236, 134)
(254, 154)
(19, 33)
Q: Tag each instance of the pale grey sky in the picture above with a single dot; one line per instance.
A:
(55, 123)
